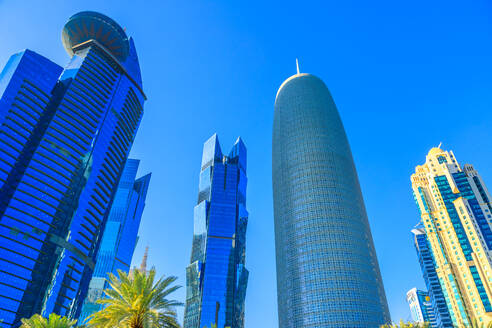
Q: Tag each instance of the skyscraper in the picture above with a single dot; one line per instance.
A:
(216, 279)
(456, 215)
(436, 295)
(120, 234)
(420, 306)
(65, 135)
(327, 270)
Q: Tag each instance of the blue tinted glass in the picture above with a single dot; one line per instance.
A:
(439, 307)
(327, 269)
(216, 279)
(65, 138)
(120, 234)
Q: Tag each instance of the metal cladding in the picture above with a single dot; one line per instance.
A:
(327, 271)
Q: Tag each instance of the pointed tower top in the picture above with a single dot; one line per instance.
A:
(297, 64)
(239, 140)
(211, 151)
(143, 265)
(440, 144)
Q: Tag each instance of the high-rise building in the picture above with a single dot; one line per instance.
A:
(120, 235)
(438, 304)
(216, 279)
(65, 135)
(456, 216)
(143, 264)
(420, 306)
(327, 270)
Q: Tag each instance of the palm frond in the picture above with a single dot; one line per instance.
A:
(136, 300)
(53, 321)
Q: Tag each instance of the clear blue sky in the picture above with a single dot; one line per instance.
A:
(405, 76)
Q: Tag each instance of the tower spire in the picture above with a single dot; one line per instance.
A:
(143, 265)
(297, 64)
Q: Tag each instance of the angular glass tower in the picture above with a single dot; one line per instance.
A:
(65, 135)
(438, 302)
(120, 234)
(456, 215)
(216, 279)
(327, 271)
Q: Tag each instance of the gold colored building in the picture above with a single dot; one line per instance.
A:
(456, 212)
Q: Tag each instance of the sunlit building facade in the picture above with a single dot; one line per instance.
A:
(120, 235)
(456, 216)
(438, 304)
(216, 279)
(327, 270)
(420, 307)
(65, 135)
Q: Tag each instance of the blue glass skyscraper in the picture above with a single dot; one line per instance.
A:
(216, 279)
(327, 270)
(65, 135)
(421, 307)
(120, 234)
(442, 319)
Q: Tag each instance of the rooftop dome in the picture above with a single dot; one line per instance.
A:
(88, 25)
(435, 151)
(290, 79)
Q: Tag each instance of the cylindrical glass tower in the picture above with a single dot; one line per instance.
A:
(327, 271)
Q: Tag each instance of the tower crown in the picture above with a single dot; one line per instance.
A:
(89, 25)
(293, 77)
(435, 151)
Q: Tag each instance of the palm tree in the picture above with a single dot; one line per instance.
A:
(53, 321)
(407, 325)
(136, 301)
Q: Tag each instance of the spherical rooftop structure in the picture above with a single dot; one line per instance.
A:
(88, 25)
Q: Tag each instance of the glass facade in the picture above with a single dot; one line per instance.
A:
(120, 234)
(216, 279)
(327, 271)
(421, 306)
(65, 135)
(456, 223)
(439, 307)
